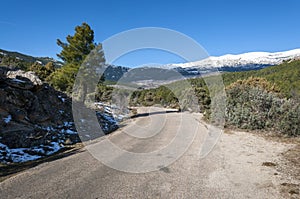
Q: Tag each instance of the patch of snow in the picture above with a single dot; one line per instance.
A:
(48, 128)
(110, 119)
(7, 119)
(107, 110)
(27, 154)
(23, 157)
(18, 80)
(68, 124)
(39, 150)
(39, 62)
(61, 98)
(68, 131)
(19, 155)
(55, 147)
(3, 146)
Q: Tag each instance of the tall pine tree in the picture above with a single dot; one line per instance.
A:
(77, 46)
(74, 51)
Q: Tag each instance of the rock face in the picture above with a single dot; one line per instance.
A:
(35, 119)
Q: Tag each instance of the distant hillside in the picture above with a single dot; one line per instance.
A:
(18, 60)
(22, 61)
(114, 73)
(286, 76)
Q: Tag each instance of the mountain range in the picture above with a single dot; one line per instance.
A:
(238, 62)
(146, 76)
(225, 63)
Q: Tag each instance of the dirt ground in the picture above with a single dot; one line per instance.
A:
(287, 164)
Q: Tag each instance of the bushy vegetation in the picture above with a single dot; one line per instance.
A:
(43, 72)
(104, 93)
(265, 99)
(161, 95)
(63, 79)
(285, 76)
(178, 94)
(254, 103)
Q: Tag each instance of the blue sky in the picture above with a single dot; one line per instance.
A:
(220, 26)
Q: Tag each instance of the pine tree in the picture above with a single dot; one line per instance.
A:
(77, 46)
(74, 52)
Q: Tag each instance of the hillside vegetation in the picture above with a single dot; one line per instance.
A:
(285, 76)
(18, 60)
(266, 99)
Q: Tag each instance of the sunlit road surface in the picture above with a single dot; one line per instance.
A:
(227, 172)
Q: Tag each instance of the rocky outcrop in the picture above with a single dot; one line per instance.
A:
(35, 119)
(29, 101)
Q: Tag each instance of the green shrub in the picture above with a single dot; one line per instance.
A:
(285, 76)
(42, 72)
(63, 79)
(254, 104)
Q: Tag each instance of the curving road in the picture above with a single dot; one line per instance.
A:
(232, 170)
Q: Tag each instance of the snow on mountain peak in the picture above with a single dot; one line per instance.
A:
(245, 59)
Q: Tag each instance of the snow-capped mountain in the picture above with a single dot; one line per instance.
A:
(225, 63)
(246, 61)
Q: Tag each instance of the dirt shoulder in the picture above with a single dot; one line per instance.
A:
(276, 156)
(292, 171)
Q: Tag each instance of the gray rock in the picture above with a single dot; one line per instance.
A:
(31, 76)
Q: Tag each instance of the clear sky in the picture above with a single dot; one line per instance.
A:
(220, 26)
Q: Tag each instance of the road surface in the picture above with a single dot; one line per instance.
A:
(232, 170)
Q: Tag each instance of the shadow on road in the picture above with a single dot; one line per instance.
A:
(153, 113)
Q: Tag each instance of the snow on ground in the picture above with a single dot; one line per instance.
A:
(7, 119)
(27, 154)
(18, 80)
(61, 98)
(109, 114)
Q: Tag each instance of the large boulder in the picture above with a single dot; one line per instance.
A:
(22, 75)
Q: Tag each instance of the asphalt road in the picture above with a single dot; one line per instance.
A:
(229, 171)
